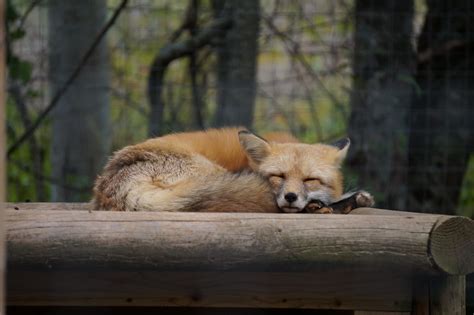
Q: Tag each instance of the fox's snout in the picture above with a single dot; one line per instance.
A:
(290, 197)
(295, 202)
(291, 201)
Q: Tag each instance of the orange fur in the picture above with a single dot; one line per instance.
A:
(199, 171)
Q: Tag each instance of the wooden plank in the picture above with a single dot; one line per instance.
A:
(331, 289)
(239, 241)
(38, 206)
(88, 206)
(123, 310)
(448, 295)
(375, 211)
(380, 313)
(470, 292)
(421, 296)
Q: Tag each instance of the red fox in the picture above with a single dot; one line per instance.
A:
(221, 170)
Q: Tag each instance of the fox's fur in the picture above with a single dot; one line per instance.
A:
(220, 170)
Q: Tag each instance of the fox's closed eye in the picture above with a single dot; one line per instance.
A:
(311, 179)
(278, 175)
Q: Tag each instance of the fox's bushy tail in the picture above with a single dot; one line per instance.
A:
(228, 192)
(217, 192)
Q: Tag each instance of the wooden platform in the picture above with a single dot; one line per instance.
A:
(370, 262)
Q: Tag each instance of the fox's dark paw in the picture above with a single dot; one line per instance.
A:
(344, 206)
(316, 206)
(364, 199)
(323, 210)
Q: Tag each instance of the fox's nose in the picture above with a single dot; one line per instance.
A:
(290, 197)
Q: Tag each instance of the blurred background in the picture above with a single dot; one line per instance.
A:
(88, 77)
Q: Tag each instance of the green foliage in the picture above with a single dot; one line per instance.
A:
(22, 179)
(288, 98)
(19, 179)
(466, 201)
(18, 69)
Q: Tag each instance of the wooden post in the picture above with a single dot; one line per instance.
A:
(440, 295)
(379, 313)
(366, 263)
(448, 295)
(428, 243)
(2, 152)
(470, 293)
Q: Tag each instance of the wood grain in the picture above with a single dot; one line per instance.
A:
(235, 241)
(380, 313)
(38, 206)
(375, 211)
(366, 261)
(354, 289)
(452, 244)
(87, 206)
(421, 296)
(470, 291)
(448, 295)
(151, 310)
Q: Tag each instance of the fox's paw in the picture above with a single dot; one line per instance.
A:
(323, 210)
(364, 199)
(316, 206)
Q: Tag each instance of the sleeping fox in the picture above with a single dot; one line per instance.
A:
(222, 170)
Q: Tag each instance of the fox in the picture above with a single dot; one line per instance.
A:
(223, 170)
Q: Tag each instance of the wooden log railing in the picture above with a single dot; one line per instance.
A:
(369, 260)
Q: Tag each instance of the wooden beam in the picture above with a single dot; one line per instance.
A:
(375, 211)
(448, 295)
(362, 262)
(430, 244)
(38, 206)
(470, 292)
(345, 289)
(440, 295)
(87, 206)
(124, 310)
(380, 313)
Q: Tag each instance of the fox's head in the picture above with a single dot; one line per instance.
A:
(297, 172)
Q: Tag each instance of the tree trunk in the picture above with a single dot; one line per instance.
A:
(382, 90)
(442, 116)
(237, 63)
(81, 127)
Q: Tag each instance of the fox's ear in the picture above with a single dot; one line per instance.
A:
(343, 146)
(257, 148)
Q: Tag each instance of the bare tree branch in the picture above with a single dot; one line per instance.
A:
(196, 92)
(293, 50)
(25, 15)
(281, 110)
(188, 23)
(41, 177)
(128, 101)
(69, 81)
(35, 151)
(171, 52)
